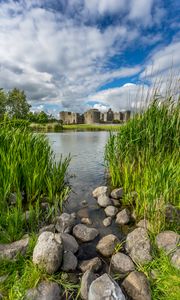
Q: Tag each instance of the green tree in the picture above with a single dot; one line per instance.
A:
(17, 105)
(3, 102)
(42, 117)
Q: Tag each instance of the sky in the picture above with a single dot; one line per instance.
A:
(74, 55)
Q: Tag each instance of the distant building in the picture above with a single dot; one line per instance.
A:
(109, 116)
(92, 116)
(68, 117)
(127, 115)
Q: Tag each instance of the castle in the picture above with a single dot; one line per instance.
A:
(93, 116)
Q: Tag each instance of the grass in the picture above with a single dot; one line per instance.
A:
(47, 127)
(92, 127)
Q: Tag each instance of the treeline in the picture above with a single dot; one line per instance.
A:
(14, 104)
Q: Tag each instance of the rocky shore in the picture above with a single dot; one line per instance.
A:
(113, 273)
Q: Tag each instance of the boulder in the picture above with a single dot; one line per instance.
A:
(175, 259)
(69, 262)
(107, 244)
(84, 233)
(86, 221)
(122, 263)
(101, 190)
(167, 240)
(107, 221)
(123, 217)
(93, 264)
(137, 286)
(50, 228)
(105, 287)
(116, 202)
(144, 224)
(69, 243)
(138, 246)
(48, 252)
(103, 201)
(64, 223)
(111, 211)
(87, 278)
(9, 251)
(117, 193)
(44, 291)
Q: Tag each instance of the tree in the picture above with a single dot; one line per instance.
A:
(17, 105)
(42, 117)
(3, 102)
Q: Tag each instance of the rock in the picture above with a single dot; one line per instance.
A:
(44, 206)
(138, 246)
(84, 233)
(84, 203)
(116, 202)
(107, 244)
(101, 190)
(122, 263)
(69, 242)
(105, 287)
(86, 281)
(103, 201)
(86, 221)
(69, 262)
(50, 228)
(107, 221)
(64, 223)
(167, 240)
(9, 251)
(13, 198)
(172, 214)
(137, 286)
(93, 264)
(117, 193)
(110, 211)
(73, 215)
(44, 291)
(48, 252)
(143, 223)
(175, 259)
(123, 217)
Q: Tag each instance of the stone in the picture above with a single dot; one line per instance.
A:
(69, 242)
(64, 223)
(167, 240)
(105, 287)
(9, 251)
(101, 190)
(13, 198)
(48, 252)
(123, 217)
(87, 278)
(86, 221)
(69, 262)
(107, 221)
(175, 259)
(93, 264)
(116, 202)
(50, 228)
(44, 291)
(137, 286)
(143, 223)
(122, 263)
(138, 246)
(172, 214)
(107, 244)
(84, 233)
(111, 211)
(103, 201)
(117, 193)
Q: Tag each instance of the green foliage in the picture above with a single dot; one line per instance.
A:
(3, 101)
(17, 105)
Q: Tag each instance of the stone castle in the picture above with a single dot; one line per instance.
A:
(94, 116)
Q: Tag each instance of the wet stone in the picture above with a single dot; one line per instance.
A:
(107, 244)
(110, 211)
(122, 263)
(93, 264)
(107, 221)
(123, 217)
(69, 261)
(84, 233)
(101, 190)
(117, 193)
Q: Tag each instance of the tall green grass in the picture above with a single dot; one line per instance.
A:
(144, 157)
(29, 171)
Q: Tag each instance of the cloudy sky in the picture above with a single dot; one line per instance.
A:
(78, 54)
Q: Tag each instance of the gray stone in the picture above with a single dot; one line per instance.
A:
(138, 246)
(44, 291)
(116, 202)
(117, 193)
(101, 190)
(86, 221)
(167, 240)
(137, 286)
(87, 278)
(122, 263)
(105, 287)
(93, 264)
(84, 233)
(123, 217)
(103, 201)
(9, 251)
(172, 214)
(48, 252)
(175, 259)
(50, 228)
(69, 262)
(143, 223)
(107, 221)
(69, 243)
(107, 244)
(64, 223)
(111, 211)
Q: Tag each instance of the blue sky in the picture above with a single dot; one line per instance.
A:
(78, 54)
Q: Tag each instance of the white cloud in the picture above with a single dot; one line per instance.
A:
(141, 10)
